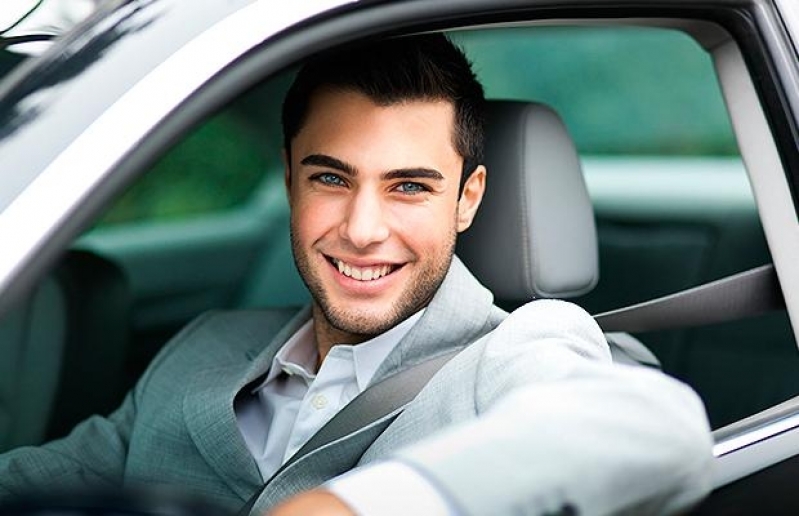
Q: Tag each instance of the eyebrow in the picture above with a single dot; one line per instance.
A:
(413, 173)
(322, 160)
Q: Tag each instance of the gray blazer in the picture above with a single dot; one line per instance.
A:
(530, 418)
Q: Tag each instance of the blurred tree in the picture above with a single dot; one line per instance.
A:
(619, 90)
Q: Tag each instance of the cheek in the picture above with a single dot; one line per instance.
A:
(312, 218)
(427, 227)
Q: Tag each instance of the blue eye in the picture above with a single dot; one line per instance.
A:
(330, 179)
(411, 188)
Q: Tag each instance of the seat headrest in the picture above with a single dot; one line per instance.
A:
(534, 234)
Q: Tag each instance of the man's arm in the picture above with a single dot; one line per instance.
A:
(560, 427)
(92, 456)
(625, 441)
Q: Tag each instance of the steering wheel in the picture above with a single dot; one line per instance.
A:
(111, 502)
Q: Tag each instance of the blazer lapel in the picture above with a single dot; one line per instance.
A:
(461, 311)
(208, 407)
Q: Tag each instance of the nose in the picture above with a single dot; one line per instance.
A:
(364, 223)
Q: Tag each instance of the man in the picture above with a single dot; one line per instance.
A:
(383, 146)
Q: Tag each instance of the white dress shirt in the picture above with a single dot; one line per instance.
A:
(293, 403)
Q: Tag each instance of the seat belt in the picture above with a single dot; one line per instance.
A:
(385, 398)
(741, 295)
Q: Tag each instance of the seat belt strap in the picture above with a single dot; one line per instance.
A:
(376, 402)
(741, 295)
(385, 398)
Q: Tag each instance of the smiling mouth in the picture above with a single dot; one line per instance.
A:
(363, 273)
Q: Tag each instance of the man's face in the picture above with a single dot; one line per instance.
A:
(375, 210)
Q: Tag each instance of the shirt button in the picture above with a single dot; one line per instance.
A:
(319, 402)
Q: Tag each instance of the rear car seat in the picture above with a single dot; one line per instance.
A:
(63, 350)
(32, 336)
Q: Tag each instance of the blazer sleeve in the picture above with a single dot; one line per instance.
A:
(561, 429)
(92, 455)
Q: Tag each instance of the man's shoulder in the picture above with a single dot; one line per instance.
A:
(232, 323)
(217, 334)
(246, 320)
(551, 311)
(550, 320)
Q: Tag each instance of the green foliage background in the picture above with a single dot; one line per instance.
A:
(620, 90)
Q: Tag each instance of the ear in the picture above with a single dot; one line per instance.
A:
(471, 197)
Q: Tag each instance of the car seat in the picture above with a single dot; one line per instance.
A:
(98, 307)
(534, 235)
(63, 349)
(32, 336)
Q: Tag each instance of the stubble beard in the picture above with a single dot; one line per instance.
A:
(417, 293)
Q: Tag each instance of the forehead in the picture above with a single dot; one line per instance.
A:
(349, 125)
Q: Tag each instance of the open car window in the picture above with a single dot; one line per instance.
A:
(206, 225)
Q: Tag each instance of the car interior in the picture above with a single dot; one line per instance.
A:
(609, 185)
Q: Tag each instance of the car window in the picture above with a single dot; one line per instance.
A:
(206, 227)
(672, 201)
(217, 167)
(609, 87)
(603, 82)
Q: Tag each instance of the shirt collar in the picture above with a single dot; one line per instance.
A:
(299, 354)
(296, 356)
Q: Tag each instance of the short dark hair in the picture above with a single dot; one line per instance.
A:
(390, 71)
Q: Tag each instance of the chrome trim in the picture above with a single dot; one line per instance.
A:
(33, 216)
(789, 11)
(755, 457)
(737, 442)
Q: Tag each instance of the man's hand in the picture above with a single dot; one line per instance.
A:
(316, 502)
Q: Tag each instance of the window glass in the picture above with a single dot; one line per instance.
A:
(607, 84)
(610, 85)
(213, 169)
(217, 167)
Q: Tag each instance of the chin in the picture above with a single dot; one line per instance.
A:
(362, 322)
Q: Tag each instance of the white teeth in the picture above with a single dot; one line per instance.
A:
(362, 273)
